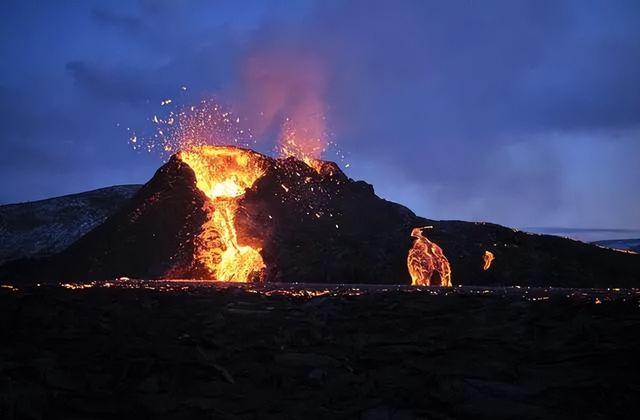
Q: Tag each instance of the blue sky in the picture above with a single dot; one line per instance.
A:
(521, 113)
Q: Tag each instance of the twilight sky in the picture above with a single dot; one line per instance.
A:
(521, 113)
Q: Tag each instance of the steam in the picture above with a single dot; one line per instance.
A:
(285, 89)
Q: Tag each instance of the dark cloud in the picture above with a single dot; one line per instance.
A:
(113, 84)
(129, 24)
(484, 110)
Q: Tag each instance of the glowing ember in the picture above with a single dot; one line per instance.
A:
(303, 135)
(426, 262)
(75, 286)
(224, 174)
(184, 127)
(306, 145)
(308, 141)
(487, 257)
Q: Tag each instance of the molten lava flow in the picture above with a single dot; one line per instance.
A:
(224, 174)
(425, 260)
(487, 257)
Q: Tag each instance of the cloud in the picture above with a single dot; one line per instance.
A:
(459, 109)
(127, 23)
(117, 84)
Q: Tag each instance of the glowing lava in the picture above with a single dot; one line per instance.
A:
(426, 262)
(487, 257)
(224, 174)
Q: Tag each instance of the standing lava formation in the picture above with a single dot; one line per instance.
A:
(487, 259)
(426, 262)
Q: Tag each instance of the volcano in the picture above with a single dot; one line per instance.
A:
(230, 214)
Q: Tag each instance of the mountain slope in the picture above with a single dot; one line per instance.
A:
(45, 227)
(623, 244)
(314, 226)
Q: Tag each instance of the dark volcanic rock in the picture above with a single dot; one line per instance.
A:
(150, 236)
(208, 352)
(326, 228)
(530, 259)
(316, 227)
(45, 227)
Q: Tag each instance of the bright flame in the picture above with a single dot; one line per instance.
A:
(426, 259)
(487, 257)
(224, 174)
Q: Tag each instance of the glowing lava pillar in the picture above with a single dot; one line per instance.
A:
(224, 174)
(426, 262)
(487, 258)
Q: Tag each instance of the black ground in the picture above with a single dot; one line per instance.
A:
(200, 352)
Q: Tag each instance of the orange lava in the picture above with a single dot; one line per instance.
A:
(487, 258)
(224, 174)
(426, 262)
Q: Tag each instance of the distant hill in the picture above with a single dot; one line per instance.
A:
(586, 234)
(48, 226)
(628, 244)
